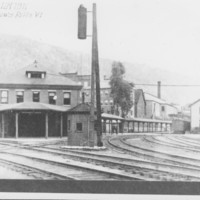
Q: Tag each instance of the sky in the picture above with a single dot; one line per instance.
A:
(157, 33)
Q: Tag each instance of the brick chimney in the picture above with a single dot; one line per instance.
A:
(159, 89)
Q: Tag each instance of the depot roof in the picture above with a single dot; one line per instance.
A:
(32, 106)
(51, 78)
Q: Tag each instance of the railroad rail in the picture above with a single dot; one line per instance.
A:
(143, 164)
(137, 169)
(65, 170)
(30, 171)
(176, 144)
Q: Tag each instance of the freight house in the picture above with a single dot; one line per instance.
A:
(34, 101)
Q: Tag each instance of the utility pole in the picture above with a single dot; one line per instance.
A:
(95, 65)
(95, 79)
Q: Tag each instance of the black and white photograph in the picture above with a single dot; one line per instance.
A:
(100, 94)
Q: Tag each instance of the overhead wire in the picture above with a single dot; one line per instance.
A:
(149, 84)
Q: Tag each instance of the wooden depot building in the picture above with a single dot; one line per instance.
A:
(34, 102)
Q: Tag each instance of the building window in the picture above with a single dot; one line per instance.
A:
(36, 96)
(67, 98)
(36, 75)
(52, 98)
(79, 126)
(20, 96)
(163, 108)
(4, 96)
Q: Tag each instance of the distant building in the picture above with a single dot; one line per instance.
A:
(106, 99)
(167, 110)
(85, 81)
(153, 106)
(157, 108)
(145, 105)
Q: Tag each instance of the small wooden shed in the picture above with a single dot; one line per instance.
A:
(81, 129)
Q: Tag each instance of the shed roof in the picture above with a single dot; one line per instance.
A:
(83, 107)
(32, 106)
(51, 78)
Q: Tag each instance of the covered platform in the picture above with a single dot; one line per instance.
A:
(116, 124)
(146, 125)
(111, 123)
(31, 119)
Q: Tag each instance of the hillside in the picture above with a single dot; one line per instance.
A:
(17, 52)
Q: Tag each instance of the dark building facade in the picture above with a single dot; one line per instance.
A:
(140, 104)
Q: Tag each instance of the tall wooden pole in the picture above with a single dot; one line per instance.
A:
(95, 67)
(92, 118)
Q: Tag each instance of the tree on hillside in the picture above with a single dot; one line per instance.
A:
(121, 90)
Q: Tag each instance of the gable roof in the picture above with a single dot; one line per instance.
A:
(19, 77)
(150, 97)
(194, 103)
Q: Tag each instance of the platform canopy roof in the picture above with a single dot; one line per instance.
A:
(148, 120)
(32, 106)
(110, 116)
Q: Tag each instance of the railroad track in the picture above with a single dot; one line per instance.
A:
(174, 144)
(65, 170)
(29, 171)
(185, 142)
(151, 149)
(140, 170)
(165, 142)
(129, 169)
(153, 156)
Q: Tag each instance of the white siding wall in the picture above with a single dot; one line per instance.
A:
(170, 110)
(195, 115)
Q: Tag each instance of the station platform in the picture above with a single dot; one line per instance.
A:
(35, 141)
